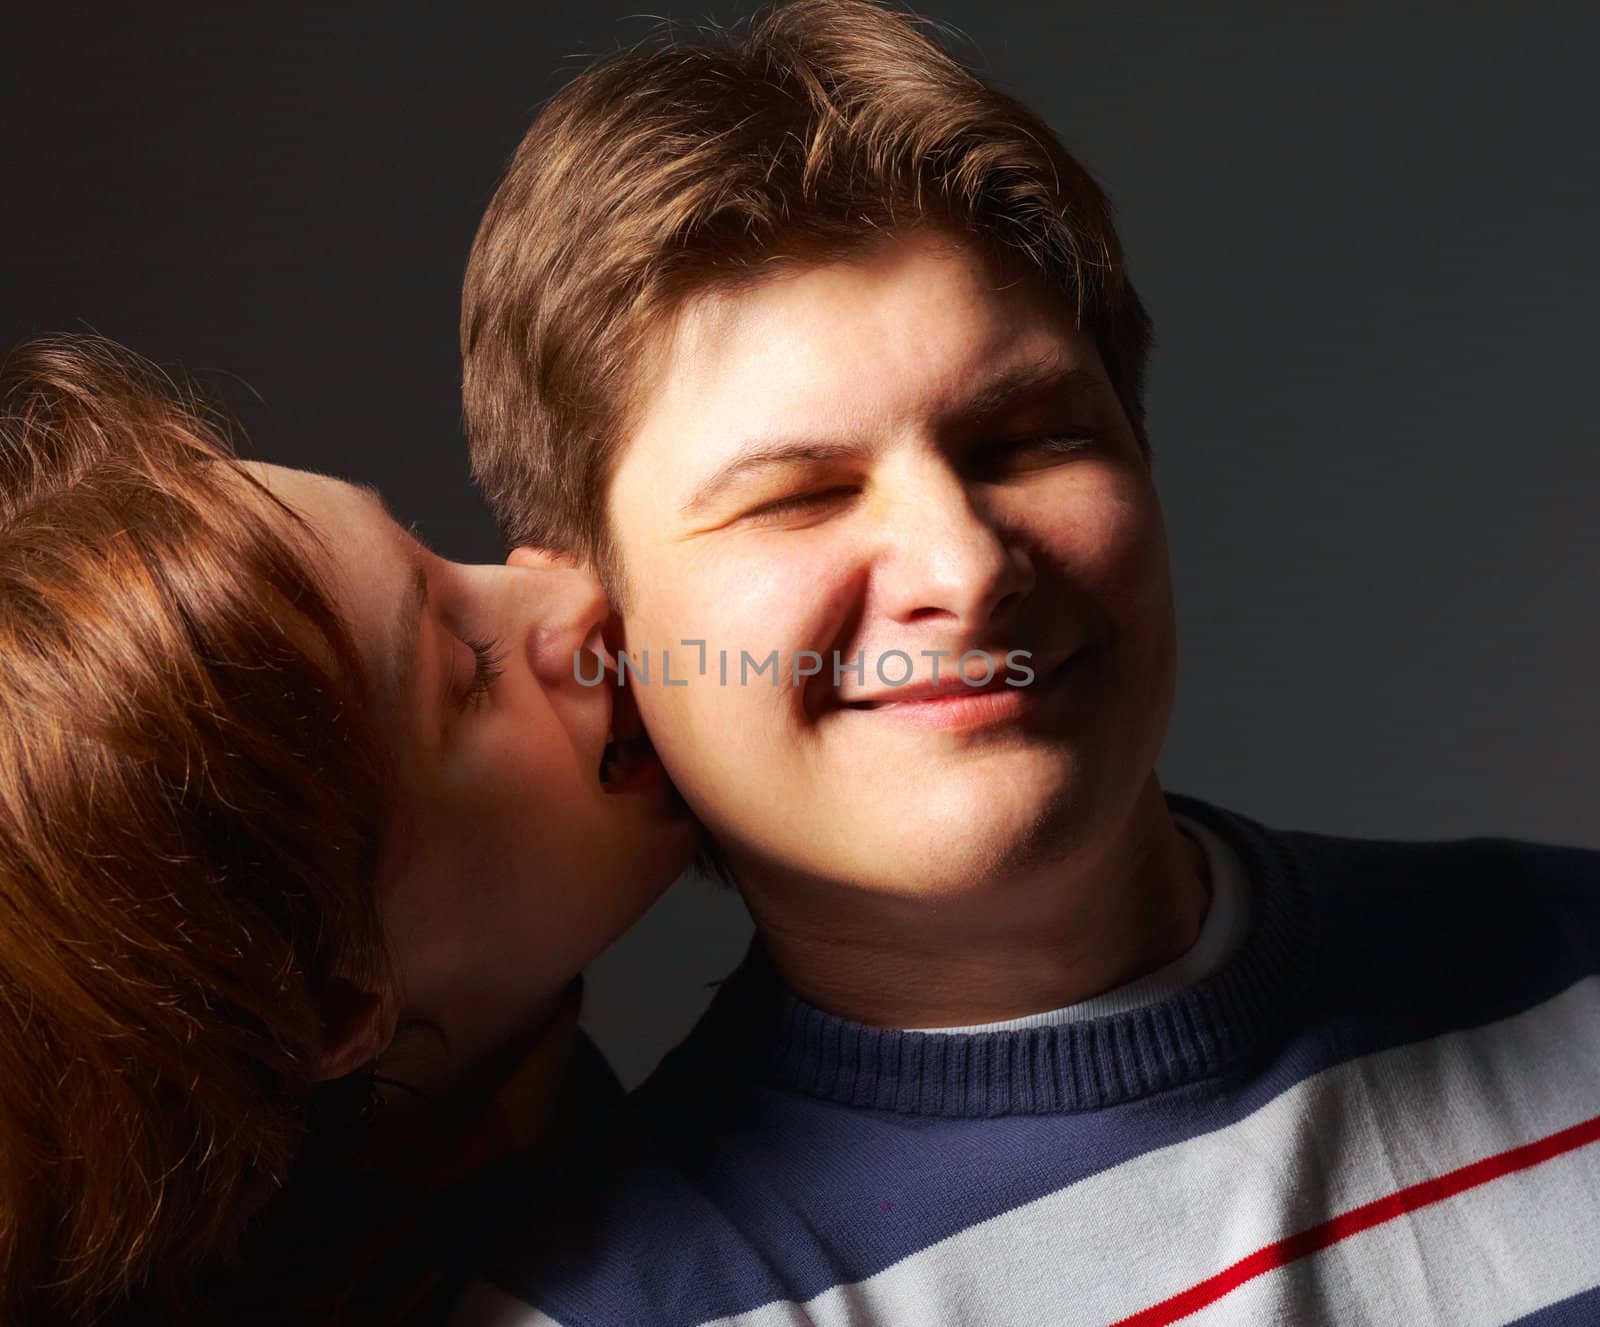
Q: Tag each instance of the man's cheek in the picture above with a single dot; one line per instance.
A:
(1126, 563)
(703, 742)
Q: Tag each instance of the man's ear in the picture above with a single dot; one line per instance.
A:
(357, 1027)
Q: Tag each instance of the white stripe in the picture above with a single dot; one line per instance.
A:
(1130, 1237)
(1481, 1259)
(485, 1306)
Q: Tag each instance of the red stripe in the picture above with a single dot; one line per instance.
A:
(1375, 1213)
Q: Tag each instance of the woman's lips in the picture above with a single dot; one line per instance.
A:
(631, 767)
(629, 763)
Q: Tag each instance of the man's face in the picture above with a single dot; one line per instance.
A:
(912, 451)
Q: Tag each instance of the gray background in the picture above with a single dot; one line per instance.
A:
(1368, 236)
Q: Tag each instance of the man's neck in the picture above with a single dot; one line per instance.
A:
(1127, 905)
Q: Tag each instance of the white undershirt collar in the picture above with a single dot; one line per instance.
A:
(1227, 919)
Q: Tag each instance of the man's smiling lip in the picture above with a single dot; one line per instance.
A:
(951, 687)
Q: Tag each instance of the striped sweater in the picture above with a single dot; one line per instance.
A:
(1384, 1108)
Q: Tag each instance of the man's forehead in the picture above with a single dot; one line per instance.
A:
(778, 389)
(834, 354)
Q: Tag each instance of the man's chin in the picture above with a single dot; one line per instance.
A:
(950, 854)
(943, 828)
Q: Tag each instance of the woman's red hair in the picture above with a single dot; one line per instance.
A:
(189, 812)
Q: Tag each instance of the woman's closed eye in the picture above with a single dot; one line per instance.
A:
(487, 660)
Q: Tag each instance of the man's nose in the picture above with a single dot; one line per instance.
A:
(942, 558)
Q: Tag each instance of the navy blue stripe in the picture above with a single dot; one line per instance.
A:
(742, 1193)
(1198, 1032)
(1581, 1310)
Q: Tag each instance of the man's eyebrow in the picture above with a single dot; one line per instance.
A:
(765, 454)
(1033, 378)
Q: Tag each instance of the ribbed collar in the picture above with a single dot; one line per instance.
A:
(757, 1028)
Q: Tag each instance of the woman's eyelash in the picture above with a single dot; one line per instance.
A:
(487, 670)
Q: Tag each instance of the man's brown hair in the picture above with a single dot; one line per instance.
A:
(189, 813)
(665, 171)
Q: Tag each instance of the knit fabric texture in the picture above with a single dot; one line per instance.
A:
(1383, 1108)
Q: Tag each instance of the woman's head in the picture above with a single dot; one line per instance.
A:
(507, 865)
(254, 808)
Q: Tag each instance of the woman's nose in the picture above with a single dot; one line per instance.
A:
(567, 607)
